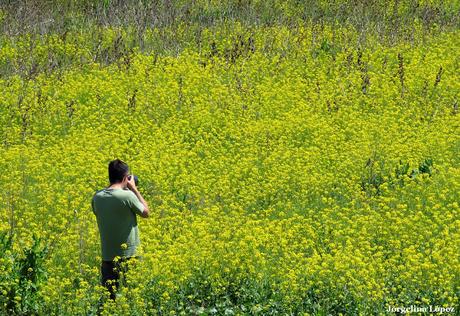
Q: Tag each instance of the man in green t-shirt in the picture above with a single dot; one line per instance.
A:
(115, 208)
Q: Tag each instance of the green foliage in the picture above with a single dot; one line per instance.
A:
(297, 156)
(232, 293)
(20, 286)
(377, 174)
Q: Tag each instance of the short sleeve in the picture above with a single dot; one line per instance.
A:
(134, 204)
(92, 205)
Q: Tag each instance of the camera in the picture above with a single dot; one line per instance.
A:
(136, 179)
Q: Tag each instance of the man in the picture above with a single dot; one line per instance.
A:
(115, 208)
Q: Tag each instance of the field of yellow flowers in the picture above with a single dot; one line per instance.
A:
(289, 170)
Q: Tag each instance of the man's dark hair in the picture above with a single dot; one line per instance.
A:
(117, 170)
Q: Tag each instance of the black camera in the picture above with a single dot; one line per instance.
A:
(136, 179)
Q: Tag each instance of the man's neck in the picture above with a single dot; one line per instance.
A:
(115, 186)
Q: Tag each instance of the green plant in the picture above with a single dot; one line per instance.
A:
(20, 287)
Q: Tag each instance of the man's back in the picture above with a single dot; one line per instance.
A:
(116, 210)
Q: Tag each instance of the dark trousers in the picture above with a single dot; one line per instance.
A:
(110, 271)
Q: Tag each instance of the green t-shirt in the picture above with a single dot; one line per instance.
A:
(115, 211)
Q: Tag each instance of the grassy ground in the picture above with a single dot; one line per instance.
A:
(300, 158)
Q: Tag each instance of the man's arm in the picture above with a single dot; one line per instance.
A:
(146, 212)
(133, 188)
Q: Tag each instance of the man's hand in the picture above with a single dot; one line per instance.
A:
(131, 183)
(132, 186)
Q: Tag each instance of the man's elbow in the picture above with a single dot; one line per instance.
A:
(145, 213)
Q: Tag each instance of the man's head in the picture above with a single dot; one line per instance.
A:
(118, 171)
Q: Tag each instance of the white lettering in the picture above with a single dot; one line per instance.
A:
(418, 309)
(441, 310)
